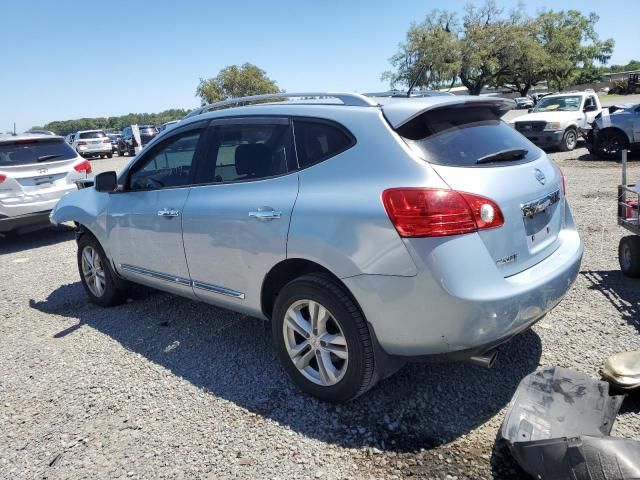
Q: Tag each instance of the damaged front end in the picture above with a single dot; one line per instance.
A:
(557, 427)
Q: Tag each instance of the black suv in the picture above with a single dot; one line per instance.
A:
(127, 143)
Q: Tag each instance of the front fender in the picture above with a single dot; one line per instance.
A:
(86, 207)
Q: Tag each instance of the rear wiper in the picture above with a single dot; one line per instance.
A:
(503, 156)
(47, 157)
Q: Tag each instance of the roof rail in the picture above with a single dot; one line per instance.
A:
(350, 99)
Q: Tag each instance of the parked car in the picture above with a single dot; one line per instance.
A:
(36, 170)
(524, 102)
(458, 237)
(559, 120)
(114, 138)
(167, 125)
(127, 143)
(615, 129)
(92, 143)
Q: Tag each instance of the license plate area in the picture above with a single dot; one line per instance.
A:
(540, 222)
(43, 181)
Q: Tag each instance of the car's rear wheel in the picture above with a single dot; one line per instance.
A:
(109, 155)
(323, 340)
(569, 140)
(610, 143)
(98, 279)
(629, 256)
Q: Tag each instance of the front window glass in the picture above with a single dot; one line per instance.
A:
(559, 104)
(168, 165)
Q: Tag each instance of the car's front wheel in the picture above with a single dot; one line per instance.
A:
(98, 279)
(323, 340)
(569, 140)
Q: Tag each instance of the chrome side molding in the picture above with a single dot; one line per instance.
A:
(183, 281)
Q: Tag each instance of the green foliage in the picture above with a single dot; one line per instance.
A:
(233, 82)
(632, 65)
(495, 49)
(64, 127)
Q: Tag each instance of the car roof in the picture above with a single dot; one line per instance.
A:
(397, 110)
(89, 131)
(8, 138)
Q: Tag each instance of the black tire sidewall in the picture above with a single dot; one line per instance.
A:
(632, 242)
(306, 288)
(564, 146)
(609, 155)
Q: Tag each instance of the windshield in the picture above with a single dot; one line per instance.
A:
(25, 152)
(559, 104)
(86, 135)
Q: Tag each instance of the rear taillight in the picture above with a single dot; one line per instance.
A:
(84, 166)
(81, 143)
(433, 212)
(2, 177)
(106, 140)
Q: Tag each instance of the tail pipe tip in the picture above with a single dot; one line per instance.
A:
(485, 360)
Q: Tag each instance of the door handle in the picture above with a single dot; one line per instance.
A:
(265, 213)
(168, 212)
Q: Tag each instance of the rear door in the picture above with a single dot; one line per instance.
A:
(526, 187)
(145, 219)
(235, 224)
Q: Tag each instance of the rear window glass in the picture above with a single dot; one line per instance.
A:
(461, 136)
(86, 135)
(317, 141)
(25, 152)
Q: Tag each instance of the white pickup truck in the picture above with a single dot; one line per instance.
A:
(559, 120)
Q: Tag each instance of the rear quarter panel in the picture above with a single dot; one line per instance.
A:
(339, 220)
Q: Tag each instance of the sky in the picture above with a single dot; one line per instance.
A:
(68, 59)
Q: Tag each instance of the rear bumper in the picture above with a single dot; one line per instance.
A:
(97, 150)
(8, 224)
(459, 304)
(543, 138)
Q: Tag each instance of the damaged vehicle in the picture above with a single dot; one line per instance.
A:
(369, 231)
(615, 129)
(557, 427)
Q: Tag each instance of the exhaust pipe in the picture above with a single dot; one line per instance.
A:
(485, 360)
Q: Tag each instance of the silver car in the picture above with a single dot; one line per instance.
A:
(615, 129)
(92, 143)
(370, 232)
(36, 170)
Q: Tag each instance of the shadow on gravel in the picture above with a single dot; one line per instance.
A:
(231, 356)
(622, 292)
(589, 157)
(14, 243)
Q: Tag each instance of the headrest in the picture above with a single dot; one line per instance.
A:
(253, 159)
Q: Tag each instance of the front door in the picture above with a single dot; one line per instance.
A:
(235, 226)
(145, 220)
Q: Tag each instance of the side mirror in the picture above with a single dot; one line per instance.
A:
(106, 182)
(590, 108)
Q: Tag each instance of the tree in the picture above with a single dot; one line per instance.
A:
(431, 54)
(233, 82)
(570, 40)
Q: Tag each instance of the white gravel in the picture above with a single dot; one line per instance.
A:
(165, 387)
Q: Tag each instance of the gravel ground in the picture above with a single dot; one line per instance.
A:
(165, 387)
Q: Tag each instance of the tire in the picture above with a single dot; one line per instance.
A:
(343, 378)
(90, 256)
(109, 155)
(569, 140)
(610, 143)
(629, 256)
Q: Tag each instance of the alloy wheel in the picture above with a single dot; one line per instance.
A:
(315, 342)
(92, 271)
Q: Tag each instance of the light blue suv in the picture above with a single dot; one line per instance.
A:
(370, 232)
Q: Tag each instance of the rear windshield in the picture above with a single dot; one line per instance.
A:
(461, 136)
(86, 135)
(25, 152)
